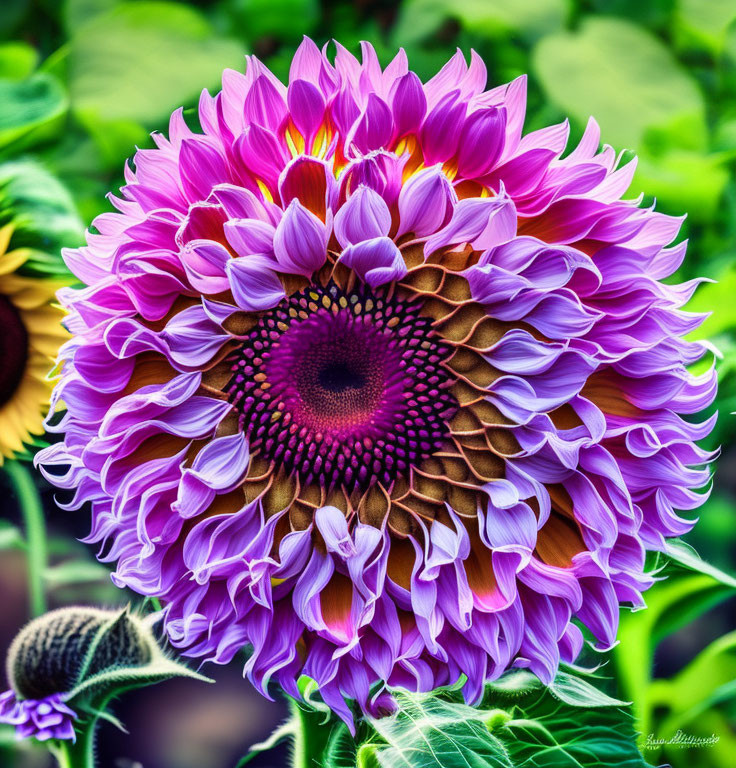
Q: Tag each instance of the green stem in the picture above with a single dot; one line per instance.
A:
(35, 531)
(311, 737)
(80, 753)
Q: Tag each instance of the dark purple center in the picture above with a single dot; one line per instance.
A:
(13, 349)
(344, 389)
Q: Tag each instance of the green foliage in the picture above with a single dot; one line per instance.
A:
(43, 212)
(258, 19)
(27, 106)
(623, 75)
(704, 685)
(519, 724)
(127, 68)
(17, 60)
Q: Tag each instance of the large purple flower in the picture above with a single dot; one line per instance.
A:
(370, 382)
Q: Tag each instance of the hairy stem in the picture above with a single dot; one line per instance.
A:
(80, 753)
(35, 532)
(310, 738)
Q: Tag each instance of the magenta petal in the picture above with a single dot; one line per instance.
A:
(249, 236)
(409, 104)
(300, 242)
(241, 203)
(440, 132)
(307, 107)
(254, 283)
(379, 170)
(426, 202)
(308, 63)
(264, 105)
(205, 262)
(261, 153)
(374, 127)
(219, 466)
(482, 222)
(201, 167)
(364, 216)
(481, 142)
(344, 110)
(312, 182)
(377, 261)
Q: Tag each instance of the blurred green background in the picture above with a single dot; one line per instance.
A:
(84, 81)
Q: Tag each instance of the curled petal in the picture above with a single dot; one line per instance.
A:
(300, 242)
(364, 216)
(481, 222)
(426, 203)
(377, 261)
(254, 283)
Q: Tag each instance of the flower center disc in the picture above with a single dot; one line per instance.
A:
(343, 389)
(13, 349)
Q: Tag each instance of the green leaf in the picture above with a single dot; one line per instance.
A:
(257, 19)
(692, 588)
(28, 105)
(79, 12)
(44, 213)
(11, 14)
(17, 60)
(112, 680)
(703, 24)
(519, 724)
(684, 555)
(430, 732)
(625, 78)
(514, 683)
(489, 18)
(706, 681)
(569, 725)
(287, 730)
(125, 678)
(139, 61)
(683, 180)
(544, 734)
(690, 701)
(718, 295)
(341, 750)
(531, 18)
(576, 692)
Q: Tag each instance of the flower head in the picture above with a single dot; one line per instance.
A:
(368, 380)
(42, 719)
(30, 339)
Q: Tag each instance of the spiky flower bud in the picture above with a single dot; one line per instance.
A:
(50, 653)
(77, 656)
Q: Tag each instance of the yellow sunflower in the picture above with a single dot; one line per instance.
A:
(30, 336)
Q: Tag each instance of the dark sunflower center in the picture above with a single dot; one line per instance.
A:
(13, 349)
(337, 377)
(343, 389)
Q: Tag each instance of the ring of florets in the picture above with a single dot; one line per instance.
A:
(343, 388)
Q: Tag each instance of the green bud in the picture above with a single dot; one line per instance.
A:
(496, 718)
(79, 650)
